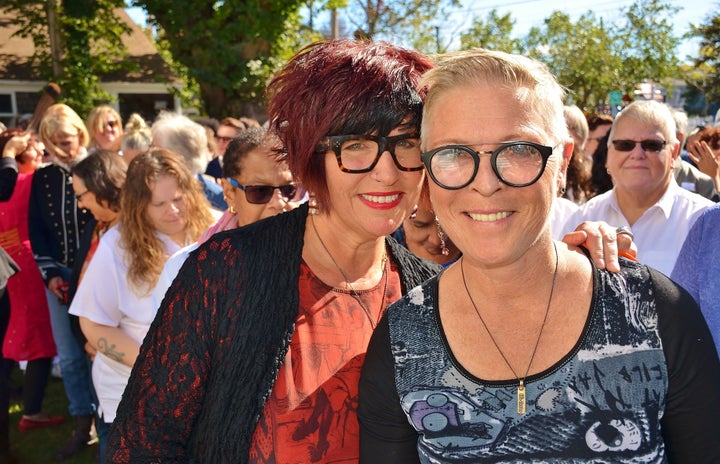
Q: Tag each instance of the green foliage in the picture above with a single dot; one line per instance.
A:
(708, 60)
(411, 22)
(230, 48)
(494, 33)
(190, 91)
(591, 59)
(89, 36)
(647, 45)
(581, 55)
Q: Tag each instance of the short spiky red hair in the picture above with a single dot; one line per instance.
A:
(342, 87)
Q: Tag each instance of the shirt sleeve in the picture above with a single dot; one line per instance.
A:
(167, 386)
(8, 177)
(386, 436)
(97, 296)
(686, 267)
(690, 423)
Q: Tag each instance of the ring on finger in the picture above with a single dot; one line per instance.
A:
(625, 230)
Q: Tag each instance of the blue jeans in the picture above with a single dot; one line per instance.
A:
(103, 432)
(74, 363)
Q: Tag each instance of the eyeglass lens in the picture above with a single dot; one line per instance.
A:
(360, 153)
(261, 194)
(517, 164)
(110, 124)
(647, 145)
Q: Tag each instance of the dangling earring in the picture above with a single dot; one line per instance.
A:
(562, 191)
(443, 246)
(231, 208)
(313, 205)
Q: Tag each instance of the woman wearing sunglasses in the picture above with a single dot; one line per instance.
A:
(269, 323)
(105, 127)
(645, 197)
(524, 351)
(257, 184)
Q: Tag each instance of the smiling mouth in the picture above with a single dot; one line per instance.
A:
(381, 199)
(489, 217)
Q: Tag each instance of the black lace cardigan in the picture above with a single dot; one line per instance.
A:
(211, 357)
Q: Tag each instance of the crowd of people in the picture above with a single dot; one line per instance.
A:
(411, 260)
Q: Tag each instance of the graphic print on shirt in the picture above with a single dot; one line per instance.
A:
(603, 403)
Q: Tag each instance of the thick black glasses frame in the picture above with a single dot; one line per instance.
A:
(650, 145)
(263, 192)
(335, 143)
(544, 151)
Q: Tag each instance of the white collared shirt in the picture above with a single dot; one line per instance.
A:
(659, 232)
(562, 209)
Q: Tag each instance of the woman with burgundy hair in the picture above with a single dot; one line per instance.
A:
(256, 351)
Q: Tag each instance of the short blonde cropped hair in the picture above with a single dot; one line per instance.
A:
(486, 67)
(648, 112)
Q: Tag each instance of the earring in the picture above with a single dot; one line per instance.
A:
(413, 215)
(231, 208)
(562, 191)
(313, 205)
(443, 246)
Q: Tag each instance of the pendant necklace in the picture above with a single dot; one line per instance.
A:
(521, 397)
(356, 296)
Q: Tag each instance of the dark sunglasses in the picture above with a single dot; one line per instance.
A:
(261, 194)
(647, 145)
(110, 124)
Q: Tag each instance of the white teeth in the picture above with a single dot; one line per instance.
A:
(489, 217)
(381, 199)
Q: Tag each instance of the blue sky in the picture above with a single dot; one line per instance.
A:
(529, 13)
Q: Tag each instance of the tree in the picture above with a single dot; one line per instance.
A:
(409, 22)
(581, 55)
(495, 33)
(231, 47)
(591, 59)
(75, 42)
(709, 57)
(648, 48)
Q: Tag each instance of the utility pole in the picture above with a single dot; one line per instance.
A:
(52, 7)
(334, 24)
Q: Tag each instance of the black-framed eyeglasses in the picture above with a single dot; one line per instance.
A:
(647, 145)
(261, 194)
(360, 153)
(517, 164)
(79, 196)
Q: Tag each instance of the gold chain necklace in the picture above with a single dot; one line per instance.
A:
(356, 296)
(521, 397)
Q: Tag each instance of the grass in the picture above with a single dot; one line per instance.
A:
(39, 446)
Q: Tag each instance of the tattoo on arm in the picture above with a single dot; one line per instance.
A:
(109, 350)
